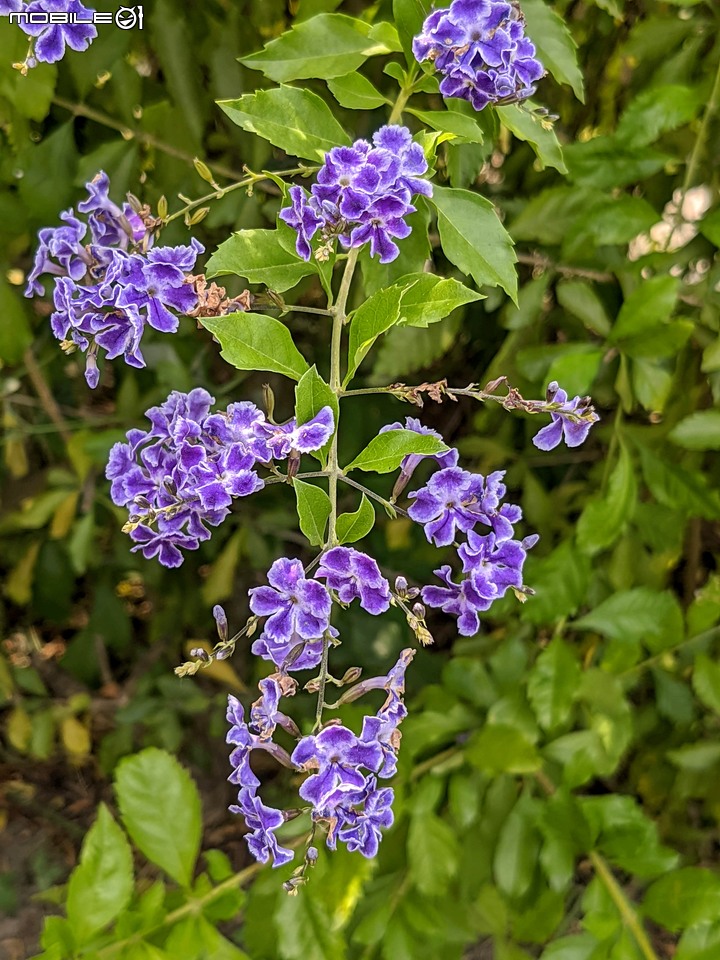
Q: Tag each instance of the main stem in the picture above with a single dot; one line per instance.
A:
(333, 469)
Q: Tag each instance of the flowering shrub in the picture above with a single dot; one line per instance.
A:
(473, 792)
(180, 478)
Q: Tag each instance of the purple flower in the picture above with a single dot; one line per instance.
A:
(52, 38)
(60, 253)
(355, 575)
(295, 607)
(448, 502)
(156, 282)
(481, 49)
(303, 219)
(109, 225)
(240, 737)
(362, 195)
(571, 420)
(362, 829)
(463, 600)
(294, 654)
(281, 439)
(264, 713)
(10, 6)
(262, 821)
(337, 755)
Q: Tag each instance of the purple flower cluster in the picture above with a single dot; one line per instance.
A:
(570, 419)
(342, 786)
(181, 476)
(108, 284)
(454, 502)
(481, 49)
(362, 195)
(51, 39)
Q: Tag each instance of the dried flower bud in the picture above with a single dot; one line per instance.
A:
(350, 676)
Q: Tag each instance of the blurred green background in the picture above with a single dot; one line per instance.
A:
(559, 772)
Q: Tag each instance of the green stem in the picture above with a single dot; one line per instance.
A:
(706, 637)
(128, 133)
(373, 496)
(333, 469)
(696, 156)
(624, 906)
(403, 96)
(250, 180)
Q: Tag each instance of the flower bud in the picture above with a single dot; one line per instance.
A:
(311, 855)
(220, 621)
(200, 654)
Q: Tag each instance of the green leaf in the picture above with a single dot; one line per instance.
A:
(626, 836)
(696, 757)
(355, 92)
(581, 300)
(501, 749)
(254, 341)
(352, 527)
(101, 885)
(603, 519)
(329, 45)
(296, 121)
(160, 808)
(538, 132)
(700, 942)
(459, 125)
(553, 683)
(606, 163)
(706, 682)
(684, 897)
(516, 853)
(642, 614)
(657, 111)
(433, 853)
(386, 452)
(407, 349)
(374, 317)
(473, 238)
(409, 16)
(427, 298)
(313, 507)
(681, 489)
(650, 305)
(699, 431)
(15, 333)
(259, 257)
(311, 395)
(306, 931)
(556, 49)
(560, 582)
